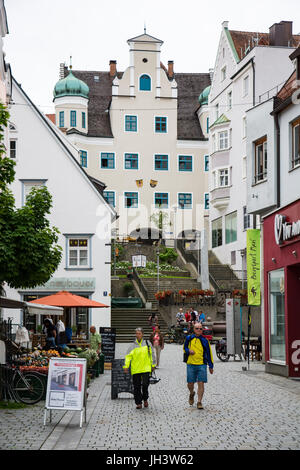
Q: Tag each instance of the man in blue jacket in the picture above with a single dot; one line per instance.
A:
(200, 356)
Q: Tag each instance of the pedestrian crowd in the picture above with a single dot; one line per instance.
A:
(143, 357)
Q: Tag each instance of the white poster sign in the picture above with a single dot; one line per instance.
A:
(66, 384)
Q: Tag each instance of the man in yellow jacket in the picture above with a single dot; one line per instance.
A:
(139, 357)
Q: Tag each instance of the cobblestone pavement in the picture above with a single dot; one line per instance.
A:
(242, 410)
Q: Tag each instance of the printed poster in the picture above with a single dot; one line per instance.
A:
(253, 266)
(66, 384)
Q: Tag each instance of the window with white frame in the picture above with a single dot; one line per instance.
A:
(246, 218)
(261, 160)
(13, 148)
(246, 85)
(296, 143)
(217, 111)
(78, 255)
(223, 140)
(29, 185)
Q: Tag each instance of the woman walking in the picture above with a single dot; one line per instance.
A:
(139, 358)
(157, 341)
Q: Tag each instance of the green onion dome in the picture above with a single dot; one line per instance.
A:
(203, 98)
(71, 86)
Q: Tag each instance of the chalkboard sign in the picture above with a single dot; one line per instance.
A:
(120, 382)
(108, 346)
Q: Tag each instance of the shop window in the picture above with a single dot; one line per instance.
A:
(277, 315)
(217, 233)
(231, 228)
(296, 143)
(261, 160)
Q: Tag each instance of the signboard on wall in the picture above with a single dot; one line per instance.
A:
(253, 267)
(139, 261)
(66, 384)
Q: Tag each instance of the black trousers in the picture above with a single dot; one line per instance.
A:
(140, 387)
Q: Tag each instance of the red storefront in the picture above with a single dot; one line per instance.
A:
(282, 290)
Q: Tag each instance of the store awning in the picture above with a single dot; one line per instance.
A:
(66, 299)
(11, 303)
(39, 309)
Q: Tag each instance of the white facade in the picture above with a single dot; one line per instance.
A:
(140, 141)
(79, 210)
(239, 83)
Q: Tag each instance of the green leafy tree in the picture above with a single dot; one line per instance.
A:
(29, 250)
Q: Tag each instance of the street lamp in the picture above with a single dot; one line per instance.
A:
(157, 254)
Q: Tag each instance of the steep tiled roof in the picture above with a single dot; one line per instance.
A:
(243, 39)
(288, 88)
(190, 85)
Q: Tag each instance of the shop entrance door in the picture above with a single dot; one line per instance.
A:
(293, 319)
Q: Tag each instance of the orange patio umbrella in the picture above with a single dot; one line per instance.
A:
(66, 299)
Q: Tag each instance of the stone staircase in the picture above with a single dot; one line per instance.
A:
(127, 320)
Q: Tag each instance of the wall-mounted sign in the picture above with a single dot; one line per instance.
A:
(253, 266)
(87, 284)
(284, 230)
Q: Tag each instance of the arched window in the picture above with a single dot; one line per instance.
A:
(145, 83)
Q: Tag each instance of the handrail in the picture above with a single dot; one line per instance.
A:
(140, 284)
(190, 258)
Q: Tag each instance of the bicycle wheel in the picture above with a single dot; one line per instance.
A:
(29, 388)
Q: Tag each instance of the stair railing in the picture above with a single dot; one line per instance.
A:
(140, 284)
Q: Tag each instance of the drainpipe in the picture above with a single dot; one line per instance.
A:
(254, 82)
(276, 119)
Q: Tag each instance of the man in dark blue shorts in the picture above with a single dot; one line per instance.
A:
(200, 356)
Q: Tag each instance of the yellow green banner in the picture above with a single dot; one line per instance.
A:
(253, 266)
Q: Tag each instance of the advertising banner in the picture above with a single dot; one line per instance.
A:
(253, 266)
(66, 384)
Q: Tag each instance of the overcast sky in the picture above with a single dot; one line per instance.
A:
(44, 33)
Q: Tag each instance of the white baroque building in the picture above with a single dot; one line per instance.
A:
(141, 131)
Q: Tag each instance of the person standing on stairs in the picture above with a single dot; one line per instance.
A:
(153, 320)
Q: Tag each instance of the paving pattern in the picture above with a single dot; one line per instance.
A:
(242, 410)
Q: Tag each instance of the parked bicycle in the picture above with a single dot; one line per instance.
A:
(22, 387)
(176, 334)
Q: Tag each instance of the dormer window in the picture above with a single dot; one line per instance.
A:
(145, 83)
